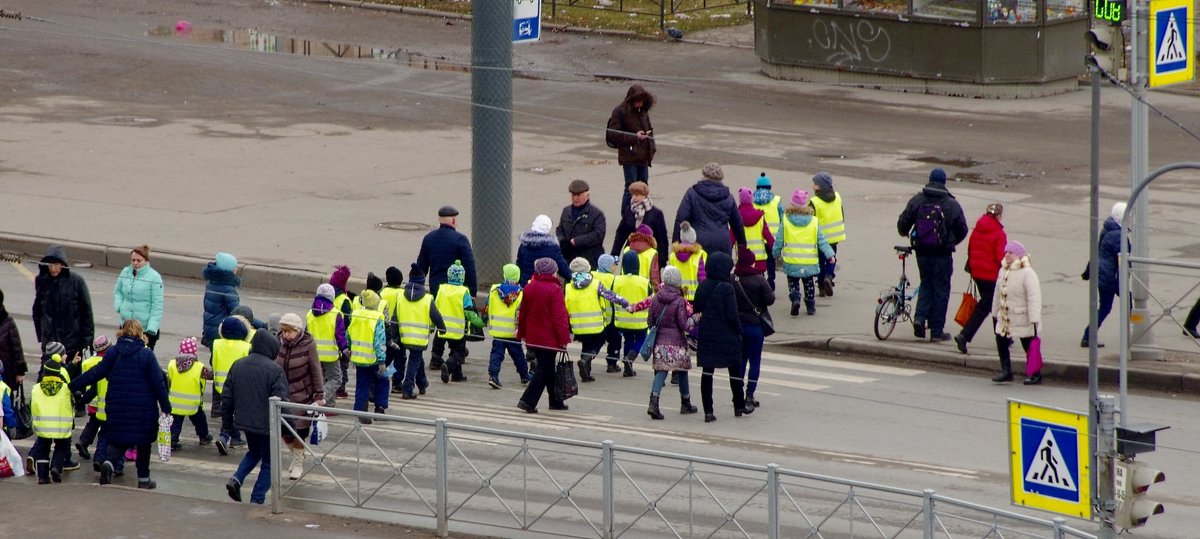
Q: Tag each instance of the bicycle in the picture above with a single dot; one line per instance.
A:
(895, 303)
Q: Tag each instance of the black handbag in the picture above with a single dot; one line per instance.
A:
(565, 385)
(24, 428)
(764, 317)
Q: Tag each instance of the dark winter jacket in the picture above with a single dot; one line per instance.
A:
(624, 124)
(252, 381)
(542, 321)
(535, 245)
(220, 299)
(653, 219)
(298, 359)
(439, 250)
(670, 304)
(985, 249)
(713, 213)
(720, 330)
(1110, 249)
(415, 291)
(758, 295)
(952, 214)
(62, 306)
(587, 227)
(12, 355)
(137, 391)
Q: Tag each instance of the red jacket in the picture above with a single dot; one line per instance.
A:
(985, 249)
(542, 321)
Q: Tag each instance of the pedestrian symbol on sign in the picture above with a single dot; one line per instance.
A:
(1172, 45)
(1048, 467)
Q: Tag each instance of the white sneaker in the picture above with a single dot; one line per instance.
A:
(297, 467)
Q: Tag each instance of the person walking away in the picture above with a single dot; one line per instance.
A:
(641, 211)
(53, 416)
(671, 314)
(585, 298)
(220, 294)
(1016, 310)
(62, 308)
(985, 253)
(251, 384)
(12, 354)
(827, 207)
(390, 295)
(1107, 266)
(93, 431)
(504, 304)
(538, 242)
(443, 247)
(138, 294)
(630, 132)
(186, 376)
(631, 287)
(760, 239)
(581, 227)
(606, 274)
(328, 329)
(368, 352)
(231, 345)
(136, 395)
(306, 385)
(416, 314)
(544, 326)
(754, 298)
(772, 207)
(689, 258)
(720, 345)
(643, 244)
(457, 307)
(934, 223)
(374, 284)
(343, 302)
(712, 211)
(800, 242)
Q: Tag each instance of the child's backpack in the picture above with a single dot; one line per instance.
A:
(929, 231)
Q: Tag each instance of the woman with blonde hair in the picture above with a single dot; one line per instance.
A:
(1017, 312)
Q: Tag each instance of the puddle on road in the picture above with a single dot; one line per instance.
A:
(960, 162)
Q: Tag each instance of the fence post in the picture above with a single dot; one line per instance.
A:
(1058, 524)
(275, 461)
(773, 501)
(662, 14)
(442, 458)
(606, 455)
(927, 510)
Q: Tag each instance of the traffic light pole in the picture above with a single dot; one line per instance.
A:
(1139, 152)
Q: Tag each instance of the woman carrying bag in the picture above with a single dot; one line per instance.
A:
(671, 314)
(985, 254)
(1017, 313)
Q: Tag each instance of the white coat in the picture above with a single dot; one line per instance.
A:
(1017, 302)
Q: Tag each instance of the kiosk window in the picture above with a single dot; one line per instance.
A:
(1012, 11)
(956, 10)
(1064, 9)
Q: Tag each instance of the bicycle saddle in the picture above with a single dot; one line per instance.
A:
(904, 249)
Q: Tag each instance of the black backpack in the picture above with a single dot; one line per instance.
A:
(929, 230)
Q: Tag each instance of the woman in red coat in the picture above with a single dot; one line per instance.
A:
(543, 324)
(985, 252)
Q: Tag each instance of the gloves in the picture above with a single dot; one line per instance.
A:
(1035, 329)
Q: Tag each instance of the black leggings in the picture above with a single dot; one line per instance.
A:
(735, 387)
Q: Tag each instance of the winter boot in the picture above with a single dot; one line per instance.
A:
(628, 365)
(1006, 374)
(56, 474)
(612, 366)
(294, 463)
(826, 286)
(43, 472)
(795, 307)
(583, 375)
(653, 410)
(685, 405)
(585, 367)
(750, 400)
(810, 306)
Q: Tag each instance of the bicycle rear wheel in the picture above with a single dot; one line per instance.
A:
(885, 317)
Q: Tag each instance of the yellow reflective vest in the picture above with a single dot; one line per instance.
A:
(414, 320)
(829, 215)
(502, 319)
(607, 280)
(799, 243)
(584, 309)
(101, 388)
(645, 260)
(756, 240)
(224, 353)
(186, 394)
(362, 336)
(690, 271)
(324, 333)
(356, 303)
(389, 298)
(770, 212)
(633, 288)
(450, 304)
(53, 415)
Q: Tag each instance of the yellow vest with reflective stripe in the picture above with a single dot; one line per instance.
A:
(755, 241)
(605, 279)
(645, 259)
(633, 288)
(324, 333)
(53, 416)
(362, 336)
(450, 304)
(356, 304)
(583, 306)
(799, 243)
(770, 212)
(502, 319)
(414, 320)
(101, 388)
(187, 388)
(343, 299)
(829, 215)
(224, 353)
(389, 298)
(690, 271)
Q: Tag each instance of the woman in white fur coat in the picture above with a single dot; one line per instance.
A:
(1016, 309)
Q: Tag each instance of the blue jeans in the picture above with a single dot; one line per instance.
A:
(368, 382)
(660, 379)
(414, 372)
(633, 173)
(514, 349)
(752, 347)
(633, 340)
(258, 447)
(935, 273)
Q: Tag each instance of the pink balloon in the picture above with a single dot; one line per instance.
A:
(183, 26)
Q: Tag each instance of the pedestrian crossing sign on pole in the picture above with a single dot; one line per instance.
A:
(1171, 57)
(527, 21)
(1050, 459)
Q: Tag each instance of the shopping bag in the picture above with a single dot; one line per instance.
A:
(565, 384)
(11, 464)
(24, 428)
(967, 307)
(319, 430)
(164, 437)
(1033, 359)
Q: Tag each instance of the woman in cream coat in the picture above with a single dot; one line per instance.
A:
(1016, 309)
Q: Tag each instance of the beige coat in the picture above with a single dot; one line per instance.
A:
(1017, 302)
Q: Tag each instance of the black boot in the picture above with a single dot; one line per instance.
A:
(43, 472)
(585, 367)
(1034, 380)
(685, 405)
(1005, 372)
(628, 365)
(653, 410)
(750, 401)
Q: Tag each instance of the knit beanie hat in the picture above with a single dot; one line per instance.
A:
(394, 276)
(1015, 247)
(763, 182)
(639, 188)
(53, 366)
(937, 175)
(542, 224)
(823, 181)
(143, 250)
(273, 321)
(630, 264)
(800, 197)
(187, 347)
(687, 234)
(672, 277)
(745, 196)
(455, 274)
(415, 275)
(1118, 212)
(326, 291)
(512, 273)
(545, 266)
(244, 311)
(101, 344)
(369, 299)
(291, 320)
(53, 347)
(374, 282)
(226, 261)
(605, 263)
(339, 277)
(580, 265)
(645, 230)
(234, 328)
(712, 171)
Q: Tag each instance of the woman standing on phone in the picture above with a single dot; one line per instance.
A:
(1017, 313)
(138, 294)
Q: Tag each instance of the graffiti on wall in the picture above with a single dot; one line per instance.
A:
(851, 42)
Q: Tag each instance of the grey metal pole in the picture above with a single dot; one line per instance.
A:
(606, 453)
(1139, 166)
(441, 458)
(1106, 448)
(772, 501)
(1093, 282)
(275, 461)
(491, 137)
(927, 514)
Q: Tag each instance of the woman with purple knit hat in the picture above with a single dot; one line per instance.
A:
(1017, 312)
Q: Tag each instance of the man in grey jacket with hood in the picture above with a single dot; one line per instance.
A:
(252, 381)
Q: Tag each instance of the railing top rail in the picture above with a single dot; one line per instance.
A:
(852, 483)
(1163, 262)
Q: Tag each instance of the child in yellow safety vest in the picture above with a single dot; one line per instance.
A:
(368, 353)
(585, 298)
(186, 377)
(798, 240)
(94, 396)
(416, 315)
(634, 288)
(760, 240)
(688, 257)
(457, 308)
(772, 207)
(642, 242)
(53, 420)
(232, 344)
(389, 296)
(827, 206)
(606, 272)
(504, 304)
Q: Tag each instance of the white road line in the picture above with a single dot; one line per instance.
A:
(846, 365)
(805, 373)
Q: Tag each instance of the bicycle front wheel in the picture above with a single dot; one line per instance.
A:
(885, 317)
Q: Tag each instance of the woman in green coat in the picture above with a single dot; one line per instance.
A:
(138, 294)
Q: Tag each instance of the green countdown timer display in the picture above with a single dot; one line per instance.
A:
(1112, 11)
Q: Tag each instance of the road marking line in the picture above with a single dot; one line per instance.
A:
(820, 375)
(21, 268)
(819, 362)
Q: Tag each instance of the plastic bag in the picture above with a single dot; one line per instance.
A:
(319, 430)
(164, 437)
(11, 464)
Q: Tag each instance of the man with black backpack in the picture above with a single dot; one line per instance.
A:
(934, 223)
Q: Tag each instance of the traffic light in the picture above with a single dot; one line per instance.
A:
(1108, 46)
(1132, 481)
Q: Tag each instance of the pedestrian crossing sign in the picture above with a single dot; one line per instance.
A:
(1049, 462)
(1171, 58)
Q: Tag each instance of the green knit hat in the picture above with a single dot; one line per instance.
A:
(512, 273)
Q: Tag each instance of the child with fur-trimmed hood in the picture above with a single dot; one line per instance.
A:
(689, 258)
(640, 241)
(803, 267)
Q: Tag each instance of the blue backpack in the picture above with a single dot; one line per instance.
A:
(929, 231)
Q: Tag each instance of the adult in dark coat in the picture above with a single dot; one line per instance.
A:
(934, 263)
(754, 296)
(12, 355)
(545, 327)
(442, 247)
(581, 227)
(537, 242)
(638, 211)
(252, 381)
(711, 210)
(630, 132)
(1107, 265)
(720, 345)
(137, 394)
(62, 306)
(220, 295)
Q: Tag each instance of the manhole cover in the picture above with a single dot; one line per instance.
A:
(404, 226)
(126, 120)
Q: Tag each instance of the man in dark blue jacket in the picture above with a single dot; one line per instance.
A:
(252, 381)
(442, 247)
(933, 208)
